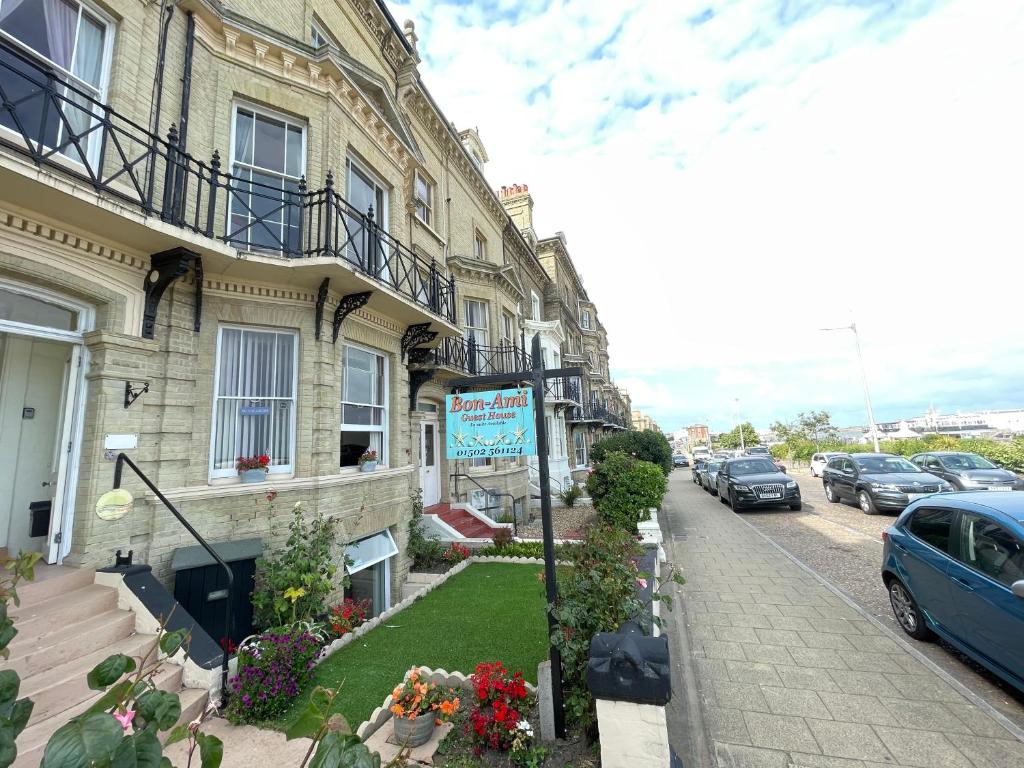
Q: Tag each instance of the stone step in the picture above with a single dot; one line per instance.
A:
(63, 686)
(52, 581)
(32, 655)
(32, 741)
(36, 619)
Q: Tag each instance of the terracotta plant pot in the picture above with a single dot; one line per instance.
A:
(413, 733)
(253, 475)
(368, 466)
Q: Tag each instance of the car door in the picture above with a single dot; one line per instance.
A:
(846, 478)
(934, 466)
(925, 558)
(722, 481)
(988, 561)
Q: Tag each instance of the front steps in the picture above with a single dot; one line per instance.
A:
(416, 581)
(462, 522)
(66, 625)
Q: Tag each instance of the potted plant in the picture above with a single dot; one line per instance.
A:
(368, 461)
(418, 705)
(252, 469)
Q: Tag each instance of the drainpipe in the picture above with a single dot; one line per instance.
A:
(186, 80)
(158, 93)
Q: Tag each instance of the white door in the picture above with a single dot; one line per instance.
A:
(428, 464)
(37, 399)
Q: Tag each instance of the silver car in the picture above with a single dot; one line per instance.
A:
(709, 477)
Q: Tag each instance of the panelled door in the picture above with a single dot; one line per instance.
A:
(429, 480)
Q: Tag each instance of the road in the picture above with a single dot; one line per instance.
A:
(844, 545)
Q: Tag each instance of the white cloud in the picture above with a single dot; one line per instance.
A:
(729, 188)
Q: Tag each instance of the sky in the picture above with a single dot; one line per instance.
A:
(732, 176)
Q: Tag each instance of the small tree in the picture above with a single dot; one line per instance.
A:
(623, 488)
(647, 445)
(732, 439)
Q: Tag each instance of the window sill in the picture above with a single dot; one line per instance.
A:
(429, 230)
(345, 476)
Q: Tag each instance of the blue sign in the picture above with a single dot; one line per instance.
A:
(254, 410)
(482, 425)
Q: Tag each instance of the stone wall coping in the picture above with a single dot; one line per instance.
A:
(199, 492)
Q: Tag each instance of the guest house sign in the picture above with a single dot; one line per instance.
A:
(481, 425)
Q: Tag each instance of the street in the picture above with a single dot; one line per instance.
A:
(775, 667)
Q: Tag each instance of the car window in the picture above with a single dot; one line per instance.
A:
(991, 549)
(932, 463)
(932, 526)
(816, 457)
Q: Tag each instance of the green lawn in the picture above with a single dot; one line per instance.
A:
(489, 612)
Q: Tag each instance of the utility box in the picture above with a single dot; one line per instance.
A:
(39, 518)
(201, 586)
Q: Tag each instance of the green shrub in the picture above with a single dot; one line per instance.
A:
(647, 446)
(423, 551)
(502, 538)
(527, 549)
(293, 584)
(623, 488)
(570, 495)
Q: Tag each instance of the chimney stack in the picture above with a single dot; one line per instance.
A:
(519, 204)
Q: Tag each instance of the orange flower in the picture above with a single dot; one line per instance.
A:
(412, 715)
(397, 710)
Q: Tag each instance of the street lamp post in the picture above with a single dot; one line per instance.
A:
(864, 379)
(739, 420)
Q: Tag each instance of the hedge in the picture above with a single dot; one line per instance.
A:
(1009, 454)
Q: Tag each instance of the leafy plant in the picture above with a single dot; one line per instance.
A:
(647, 445)
(245, 463)
(533, 549)
(424, 552)
(293, 583)
(570, 495)
(501, 538)
(501, 703)
(272, 669)
(332, 743)
(14, 712)
(731, 439)
(455, 553)
(623, 488)
(349, 615)
(414, 697)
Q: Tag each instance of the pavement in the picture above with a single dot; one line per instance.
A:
(776, 668)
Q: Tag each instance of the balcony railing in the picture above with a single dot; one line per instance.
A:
(55, 123)
(581, 413)
(469, 357)
(565, 390)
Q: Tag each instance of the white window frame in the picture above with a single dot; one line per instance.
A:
(535, 306)
(385, 429)
(479, 246)
(585, 319)
(285, 469)
(380, 218)
(288, 120)
(109, 30)
(508, 327)
(428, 204)
(579, 444)
(316, 30)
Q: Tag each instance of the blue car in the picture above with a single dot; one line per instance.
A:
(954, 567)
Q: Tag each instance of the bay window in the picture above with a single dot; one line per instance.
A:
(268, 161)
(423, 191)
(72, 42)
(477, 331)
(254, 403)
(364, 405)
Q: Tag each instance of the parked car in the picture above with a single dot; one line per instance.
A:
(954, 567)
(680, 461)
(878, 481)
(701, 452)
(758, 450)
(968, 471)
(753, 481)
(819, 460)
(709, 478)
(697, 469)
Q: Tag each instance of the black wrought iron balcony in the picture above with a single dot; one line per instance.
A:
(582, 413)
(466, 356)
(57, 124)
(563, 390)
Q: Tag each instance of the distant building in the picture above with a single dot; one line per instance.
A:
(697, 434)
(641, 421)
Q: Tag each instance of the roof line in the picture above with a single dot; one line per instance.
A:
(394, 25)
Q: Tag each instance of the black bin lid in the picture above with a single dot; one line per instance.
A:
(229, 551)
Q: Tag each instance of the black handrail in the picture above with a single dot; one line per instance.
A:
(456, 475)
(229, 618)
(466, 355)
(62, 125)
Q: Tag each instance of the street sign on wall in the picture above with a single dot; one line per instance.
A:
(481, 425)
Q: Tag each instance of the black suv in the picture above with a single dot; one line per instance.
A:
(878, 481)
(754, 481)
(968, 471)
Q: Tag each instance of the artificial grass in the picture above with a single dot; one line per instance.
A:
(489, 612)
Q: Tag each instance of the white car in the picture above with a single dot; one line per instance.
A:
(819, 460)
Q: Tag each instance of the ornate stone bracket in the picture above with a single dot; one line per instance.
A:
(346, 306)
(416, 334)
(420, 356)
(166, 267)
(416, 380)
(321, 299)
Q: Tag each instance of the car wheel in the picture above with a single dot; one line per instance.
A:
(722, 499)
(830, 494)
(796, 507)
(867, 504)
(733, 503)
(909, 616)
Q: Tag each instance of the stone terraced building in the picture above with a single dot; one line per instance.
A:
(240, 228)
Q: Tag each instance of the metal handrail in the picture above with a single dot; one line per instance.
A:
(456, 475)
(533, 470)
(229, 618)
(480, 359)
(65, 127)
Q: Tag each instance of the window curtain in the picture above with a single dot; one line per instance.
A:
(7, 7)
(88, 66)
(61, 20)
(255, 398)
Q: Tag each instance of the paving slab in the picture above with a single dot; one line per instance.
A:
(790, 674)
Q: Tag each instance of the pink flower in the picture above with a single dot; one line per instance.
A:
(126, 719)
(642, 583)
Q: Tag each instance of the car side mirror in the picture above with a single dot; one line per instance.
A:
(1018, 588)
